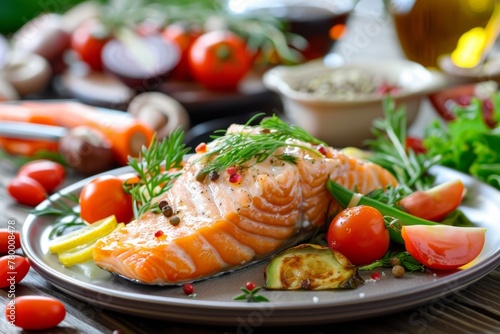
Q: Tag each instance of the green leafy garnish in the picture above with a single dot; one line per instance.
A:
(66, 213)
(391, 152)
(251, 296)
(157, 167)
(404, 259)
(467, 143)
(238, 149)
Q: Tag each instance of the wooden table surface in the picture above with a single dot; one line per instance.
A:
(474, 309)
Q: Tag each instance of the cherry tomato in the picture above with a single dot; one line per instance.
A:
(359, 233)
(48, 173)
(35, 312)
(26, 190)
(88, 40)
(9, 240)
(416, 144)
(183, 35)
(443, 246)
(219, 60)
(104, 196)
(13, 268)
(435, 203)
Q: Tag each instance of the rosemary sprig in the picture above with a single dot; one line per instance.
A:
(238, 149)
(157, 167)
(391, 152)
(66, 213)
(251, 296)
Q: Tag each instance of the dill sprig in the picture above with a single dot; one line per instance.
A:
(251, 296)
(238, 149)
(157, 167)
(391, 152)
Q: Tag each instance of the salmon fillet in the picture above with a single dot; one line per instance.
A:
(225, 225)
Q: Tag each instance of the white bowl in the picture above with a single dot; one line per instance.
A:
(342, 121)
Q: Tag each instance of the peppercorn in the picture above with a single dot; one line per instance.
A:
(175, 220)
(398, 271)
(162, 204)
(394, 261)
(167, 211)
(213, 175)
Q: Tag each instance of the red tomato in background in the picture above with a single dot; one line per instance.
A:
(443, 246)
(5, 236)
(48, 173)
(416, 144)
(87, 42)
(104, 196)
(435, 203)
(183, 35)
(14, 267)
(35, 312)
(219, 60)
(359, 233)
(26, 190)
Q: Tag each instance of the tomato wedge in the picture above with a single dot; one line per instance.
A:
(443, 246)
(435, 203)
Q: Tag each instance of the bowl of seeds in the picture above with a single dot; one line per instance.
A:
(338, 104)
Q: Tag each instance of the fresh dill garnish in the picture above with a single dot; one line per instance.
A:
(157, 167)
(391, 152)
(237, 149)
(65, 211)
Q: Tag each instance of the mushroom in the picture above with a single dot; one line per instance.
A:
(7, 92)
(161, 112)
(27, 72)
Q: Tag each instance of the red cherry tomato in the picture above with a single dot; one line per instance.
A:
(435, 203)
(9, 240)
(443, 246)
(219, 60)
(183, 35)
(13, 268)
(26, 190)
(48, 173)
(87, 42)
(104, 196)
(416, 144)
(359, 233)
(35, 312)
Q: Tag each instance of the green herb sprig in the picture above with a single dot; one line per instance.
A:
(237, 149)
(157, 167)
(251, 296)
(405, 260)
(66, 213)
(391, 152)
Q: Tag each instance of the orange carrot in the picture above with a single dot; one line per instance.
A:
(126, 134)
(26, 147)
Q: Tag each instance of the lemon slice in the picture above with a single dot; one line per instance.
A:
(81, 253)
(82, 236)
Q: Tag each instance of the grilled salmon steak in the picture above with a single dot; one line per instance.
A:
(236, 216)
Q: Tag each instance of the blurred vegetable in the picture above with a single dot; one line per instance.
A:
(9, 240)
(13, 268)
(467, 143)
(48, 173)
(86, 150)
(88, 41)
(219, 60)
(26, 190)
(35, 312)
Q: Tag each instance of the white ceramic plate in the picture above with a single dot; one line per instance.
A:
(214, 302)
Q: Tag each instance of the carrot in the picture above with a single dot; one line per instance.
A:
(126, 134)
(26, 147)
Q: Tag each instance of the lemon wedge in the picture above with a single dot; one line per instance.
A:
(82, 236)
(81, 253)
